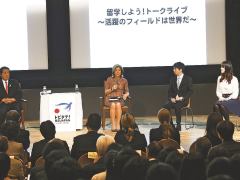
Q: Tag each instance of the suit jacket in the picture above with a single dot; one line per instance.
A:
(157, 134)
(37, 150)
(138, 142)
(84, 143)
(14, 90)
(185, 89)
(231, 148)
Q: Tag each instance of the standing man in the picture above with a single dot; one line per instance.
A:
(10, 93)
(179, 91)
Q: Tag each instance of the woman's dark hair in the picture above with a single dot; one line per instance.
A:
(228, 73)
(212, 120)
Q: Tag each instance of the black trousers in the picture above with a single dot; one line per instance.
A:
(4, 108)
(177, 108)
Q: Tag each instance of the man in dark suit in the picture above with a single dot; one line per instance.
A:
(48, 131)
(87, 142)
(179, 91)
(228, 147)
(10, 93)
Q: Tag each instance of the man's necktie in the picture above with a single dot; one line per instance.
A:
(178, 82)
(6, 83)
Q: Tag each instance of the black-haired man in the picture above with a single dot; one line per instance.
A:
(179, 91)
(87, 142)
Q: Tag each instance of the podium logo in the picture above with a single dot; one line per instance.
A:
(66, 106)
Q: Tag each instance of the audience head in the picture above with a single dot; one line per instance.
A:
(54, 144)
(178, 68)
(213, 119)
(120, 160)
(4, 165)
(174, 159)
(225, 130)
(10, 129)
(235, 164)
(217, 166)
(64, 168)
(219, 152)
(153, 149)
(135, 168)
(102, 144)
(193, 167)
(164, 116)
(221, 177)
(161, 171)
(3, 144)
(128, 123)
(117, 70)
(5, 73)
(94, 121)
(47, 129)
(202, 146)
(51, 158)
(12, 115)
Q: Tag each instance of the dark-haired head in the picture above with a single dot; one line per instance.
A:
(47, 129)
(225, 130)
(226, 71)
(179, 65)
(12, 115)
(94, 121)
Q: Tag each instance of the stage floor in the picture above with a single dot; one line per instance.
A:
(144, 123)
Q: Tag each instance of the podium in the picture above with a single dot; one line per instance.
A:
(63, 109)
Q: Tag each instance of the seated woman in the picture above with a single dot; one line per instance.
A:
(227, 92)
(129, 134)
(116, 91)
(166, 130)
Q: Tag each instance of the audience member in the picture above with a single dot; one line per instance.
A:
(193, 167)
(225, 131)
(161, 171)
(211, 132)
(219, 166)
(166, 130)
(129, 135)
(235, 164)
(48, 131)
(87, 142)
(4, 166)
(102, 145)
(23, 135)
(135, 168)
(201, 145)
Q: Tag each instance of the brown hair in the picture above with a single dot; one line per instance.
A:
(164, 116)
(228, 74)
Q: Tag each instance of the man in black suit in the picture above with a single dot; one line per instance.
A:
(179, 91)
(48, 131)
(87, 142)
(10, 93)
(228, 147)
